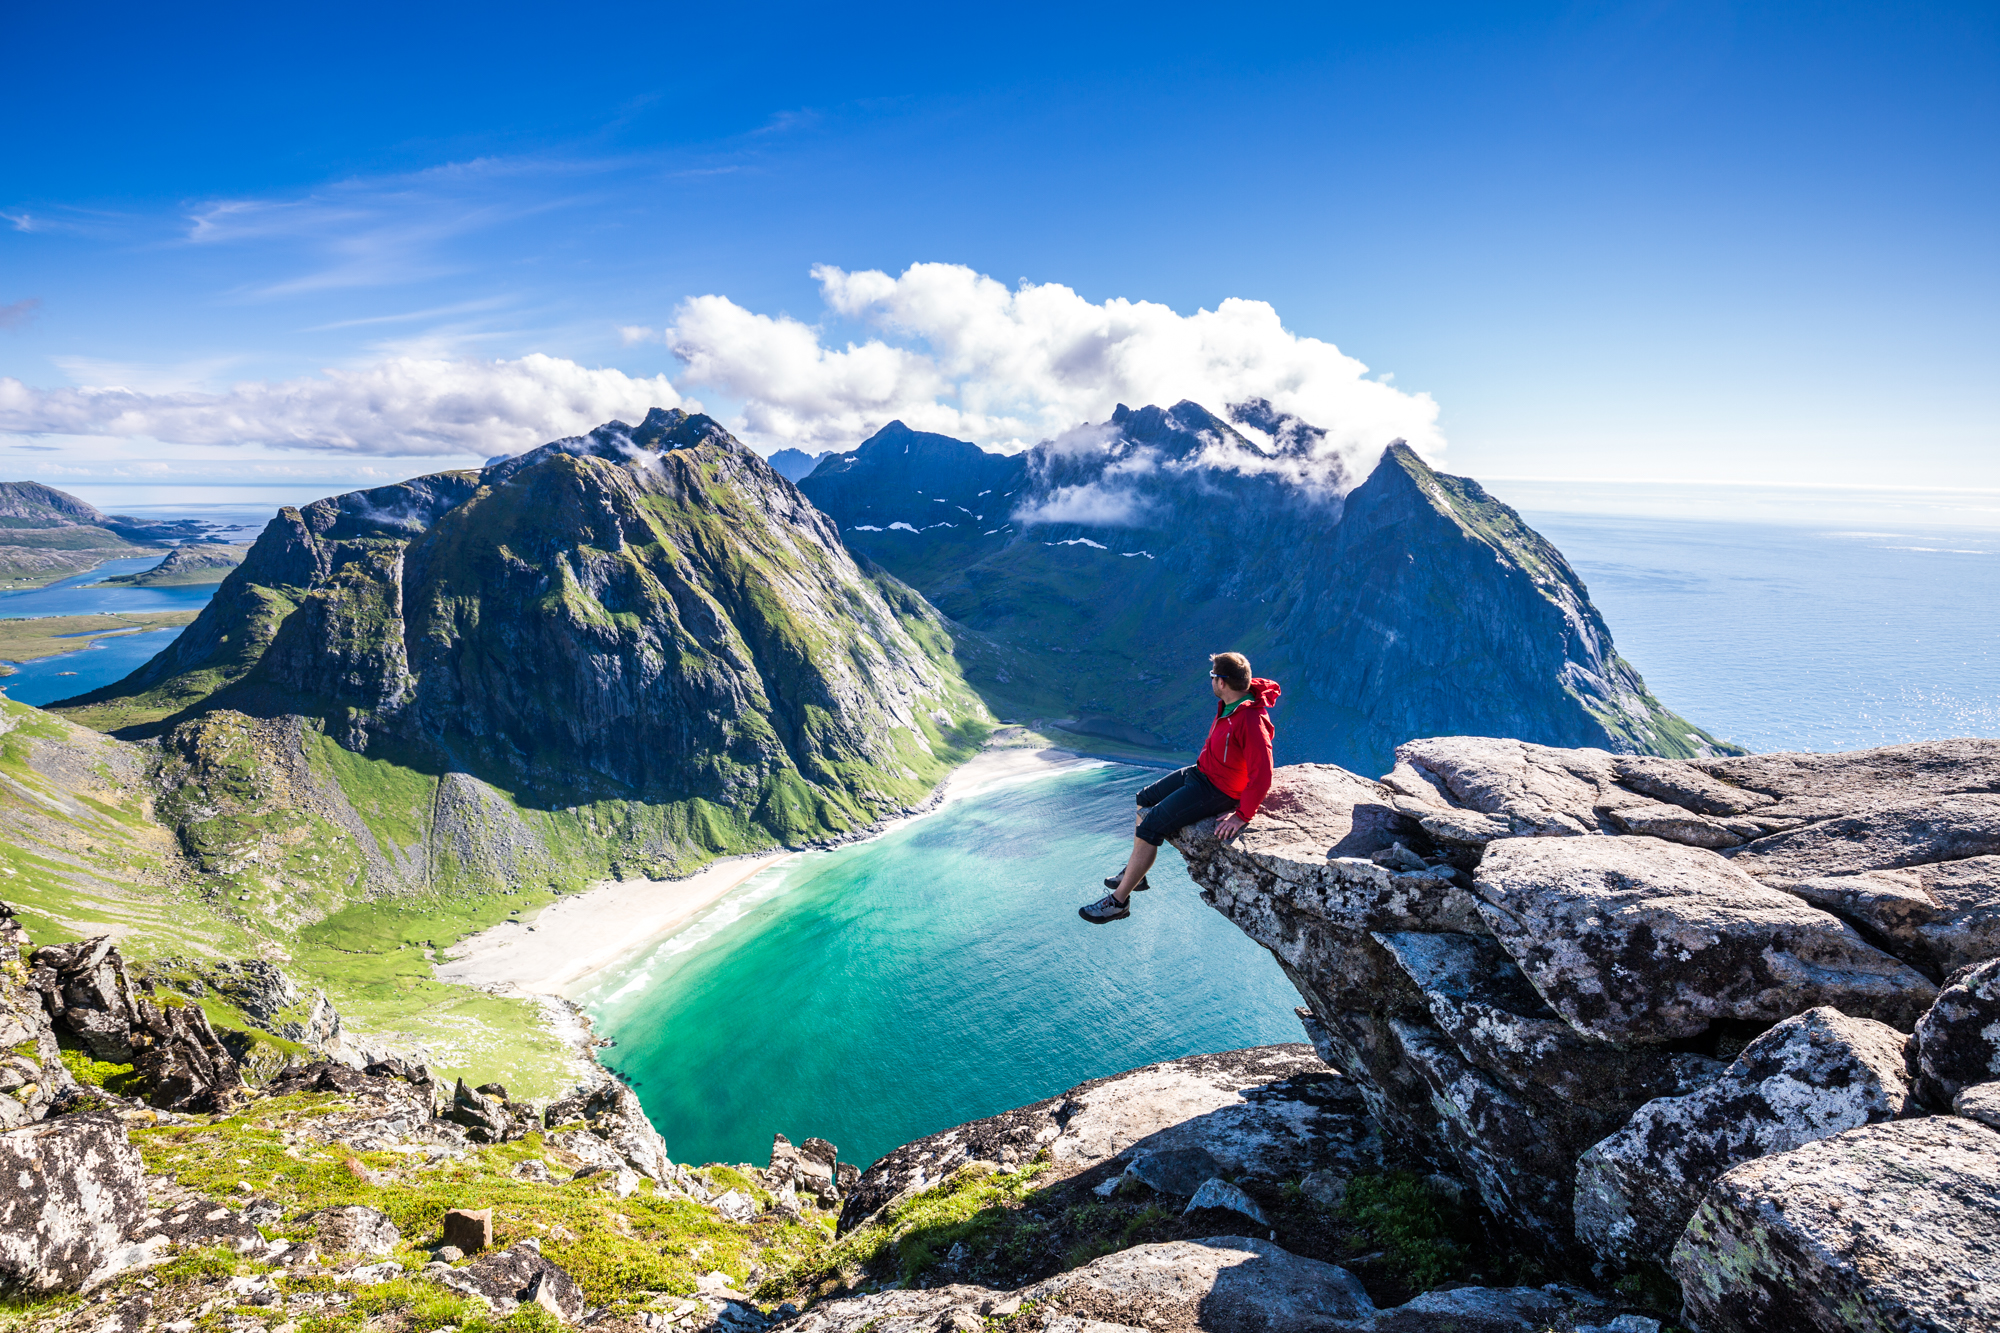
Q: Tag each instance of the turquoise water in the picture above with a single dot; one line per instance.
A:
(48, 679)
(938, 974)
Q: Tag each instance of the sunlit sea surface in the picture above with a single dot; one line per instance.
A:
(1790, 638)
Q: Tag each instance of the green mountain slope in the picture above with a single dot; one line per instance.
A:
(415, 709)
(646, 617)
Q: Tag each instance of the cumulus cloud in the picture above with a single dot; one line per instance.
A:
(397, 406)
(955, 351)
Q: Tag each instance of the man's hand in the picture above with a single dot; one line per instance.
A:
(1227, 827)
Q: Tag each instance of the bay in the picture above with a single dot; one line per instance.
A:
(47, 679)
(935, 975)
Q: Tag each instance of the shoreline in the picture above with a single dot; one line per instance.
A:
(572, 940)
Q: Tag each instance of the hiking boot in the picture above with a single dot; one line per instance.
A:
(1107, 908)
(1111, 882)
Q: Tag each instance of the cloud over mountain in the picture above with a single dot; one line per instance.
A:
(402, 405)
(945, 349)
(961, 354)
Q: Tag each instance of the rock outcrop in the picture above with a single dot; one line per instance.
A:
(1270, 1113)
(1893, 1226)
(32, 1076)
(1809, 1077)
(610, 1113)
(517, 1276)
(1602, 981)
(68, 1190)
(170, 1044)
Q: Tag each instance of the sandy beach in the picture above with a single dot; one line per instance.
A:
(568, 941)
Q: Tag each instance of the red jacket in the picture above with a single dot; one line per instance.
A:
(1237, 758)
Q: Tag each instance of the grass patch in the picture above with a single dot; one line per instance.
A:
(1426, 1236)
(121, 1080)
(617, 1250)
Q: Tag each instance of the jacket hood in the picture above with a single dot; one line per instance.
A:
(1264, 691)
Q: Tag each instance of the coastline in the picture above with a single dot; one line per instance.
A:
(568, 942)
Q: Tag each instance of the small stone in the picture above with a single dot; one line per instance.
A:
(736, 1206)
(1325, 1188)
(449, 1254)
(1216, 1192)
(468, 1230)
(354, 1229)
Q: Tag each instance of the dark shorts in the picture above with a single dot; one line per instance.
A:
(1183, 797)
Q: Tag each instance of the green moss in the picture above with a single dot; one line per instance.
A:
(121, 1080)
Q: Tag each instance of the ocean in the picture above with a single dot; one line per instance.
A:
(1801, 638)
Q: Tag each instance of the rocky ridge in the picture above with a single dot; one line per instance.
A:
(1618, 994)
(144, 1171)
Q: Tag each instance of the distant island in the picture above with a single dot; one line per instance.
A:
(187, 566)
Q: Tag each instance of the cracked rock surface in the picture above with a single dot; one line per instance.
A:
(1892, 1226)
(1595, 938)
(1809, 1077)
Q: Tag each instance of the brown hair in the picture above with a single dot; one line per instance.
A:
(1233, 669)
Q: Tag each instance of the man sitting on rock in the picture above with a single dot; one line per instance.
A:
(1233, 774)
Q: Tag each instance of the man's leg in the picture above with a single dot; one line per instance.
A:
(1143, 854)
(1192, 797)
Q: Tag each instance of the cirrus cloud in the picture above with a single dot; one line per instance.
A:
(402, 405)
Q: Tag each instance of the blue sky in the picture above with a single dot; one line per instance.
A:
(1690, 243)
